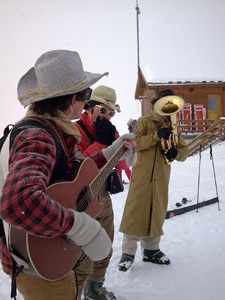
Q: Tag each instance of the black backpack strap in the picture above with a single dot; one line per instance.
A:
(81, 123)
(61, 149)
(6, 132)
(16, 271)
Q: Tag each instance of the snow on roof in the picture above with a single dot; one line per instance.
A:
(204, 82)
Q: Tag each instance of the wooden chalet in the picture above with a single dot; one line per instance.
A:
(204, 108)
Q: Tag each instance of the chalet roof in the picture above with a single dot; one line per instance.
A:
(185, 83)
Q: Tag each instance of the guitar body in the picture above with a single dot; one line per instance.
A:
(53, 258)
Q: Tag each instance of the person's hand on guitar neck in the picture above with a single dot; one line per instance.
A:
(129, 154)
(88, 233)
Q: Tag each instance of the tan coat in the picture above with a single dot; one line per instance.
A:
(147, 199)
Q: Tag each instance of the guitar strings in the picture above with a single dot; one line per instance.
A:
(91, 191)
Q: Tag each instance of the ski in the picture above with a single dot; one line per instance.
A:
(184, 209)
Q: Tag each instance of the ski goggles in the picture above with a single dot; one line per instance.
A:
(103, 111)
(84, 95)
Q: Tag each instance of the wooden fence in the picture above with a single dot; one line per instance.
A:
(212, 131)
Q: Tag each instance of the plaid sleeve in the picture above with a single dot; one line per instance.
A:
(24, 202)
(99, 159)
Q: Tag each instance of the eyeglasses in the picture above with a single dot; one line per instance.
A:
(84, 95)
(103, 111)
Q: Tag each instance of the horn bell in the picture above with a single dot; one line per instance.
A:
(169, 105)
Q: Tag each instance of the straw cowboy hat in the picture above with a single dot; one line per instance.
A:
(55, 73)
(105, 95)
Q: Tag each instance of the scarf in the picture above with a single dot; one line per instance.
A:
(62, 121)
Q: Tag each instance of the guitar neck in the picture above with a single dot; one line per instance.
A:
(105, 171)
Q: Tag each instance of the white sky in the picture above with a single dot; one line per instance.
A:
(179, 40)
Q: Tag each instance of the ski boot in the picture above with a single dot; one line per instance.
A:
(156, 257)
(94, 290)
(126, 262)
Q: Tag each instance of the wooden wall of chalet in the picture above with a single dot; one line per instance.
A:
(194, 93)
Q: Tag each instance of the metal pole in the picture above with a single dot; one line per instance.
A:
(199, 169)
(211, 157)
(138, 12)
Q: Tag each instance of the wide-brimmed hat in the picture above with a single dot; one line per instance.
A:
(104, 95)
(55, 73)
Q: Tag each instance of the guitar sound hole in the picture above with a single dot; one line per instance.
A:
(83, 200)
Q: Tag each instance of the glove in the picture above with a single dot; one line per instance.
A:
(104, 131)
(88, 233)
(132, 125)
(129, 155)
(171, 154)
(164, 133)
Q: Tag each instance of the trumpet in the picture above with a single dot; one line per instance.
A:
(169, 106)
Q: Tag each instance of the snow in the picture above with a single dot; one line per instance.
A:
(194, 241)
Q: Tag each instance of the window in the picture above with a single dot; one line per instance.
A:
(212, 102)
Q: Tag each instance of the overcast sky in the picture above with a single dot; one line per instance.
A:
(178, 40)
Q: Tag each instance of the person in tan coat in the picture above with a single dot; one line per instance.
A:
(147, 199)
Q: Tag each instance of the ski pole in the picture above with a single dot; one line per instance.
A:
(199, 168)
(211, 157)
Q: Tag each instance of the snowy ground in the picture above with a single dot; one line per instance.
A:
(194, 241)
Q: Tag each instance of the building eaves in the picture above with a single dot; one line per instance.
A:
(185, 83)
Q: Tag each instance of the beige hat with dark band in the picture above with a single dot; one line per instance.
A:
(105, 95)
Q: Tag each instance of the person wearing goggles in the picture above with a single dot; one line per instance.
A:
(97, 133)
(103, 111)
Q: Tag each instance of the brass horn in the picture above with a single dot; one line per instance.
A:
(169, 106)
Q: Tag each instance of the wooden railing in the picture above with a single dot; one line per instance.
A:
(212, 133)
(195, 126)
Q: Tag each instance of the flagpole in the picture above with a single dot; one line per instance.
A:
(138, 54)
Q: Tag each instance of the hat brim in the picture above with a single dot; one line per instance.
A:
(103, 101)
(31, 92)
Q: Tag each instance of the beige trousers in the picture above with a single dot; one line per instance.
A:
(36, 288)
(96, 270)
(129, 244)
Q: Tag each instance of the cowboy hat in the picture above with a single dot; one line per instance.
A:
(103, 95)
(55, 73)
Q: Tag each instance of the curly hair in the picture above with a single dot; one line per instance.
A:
(52, 106)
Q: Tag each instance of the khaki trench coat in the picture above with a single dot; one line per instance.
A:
(147, 199)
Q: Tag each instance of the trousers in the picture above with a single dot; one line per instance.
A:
(36, 288)
(96, 270)
(129, 244)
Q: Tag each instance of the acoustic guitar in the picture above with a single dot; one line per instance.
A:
(53, 258)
